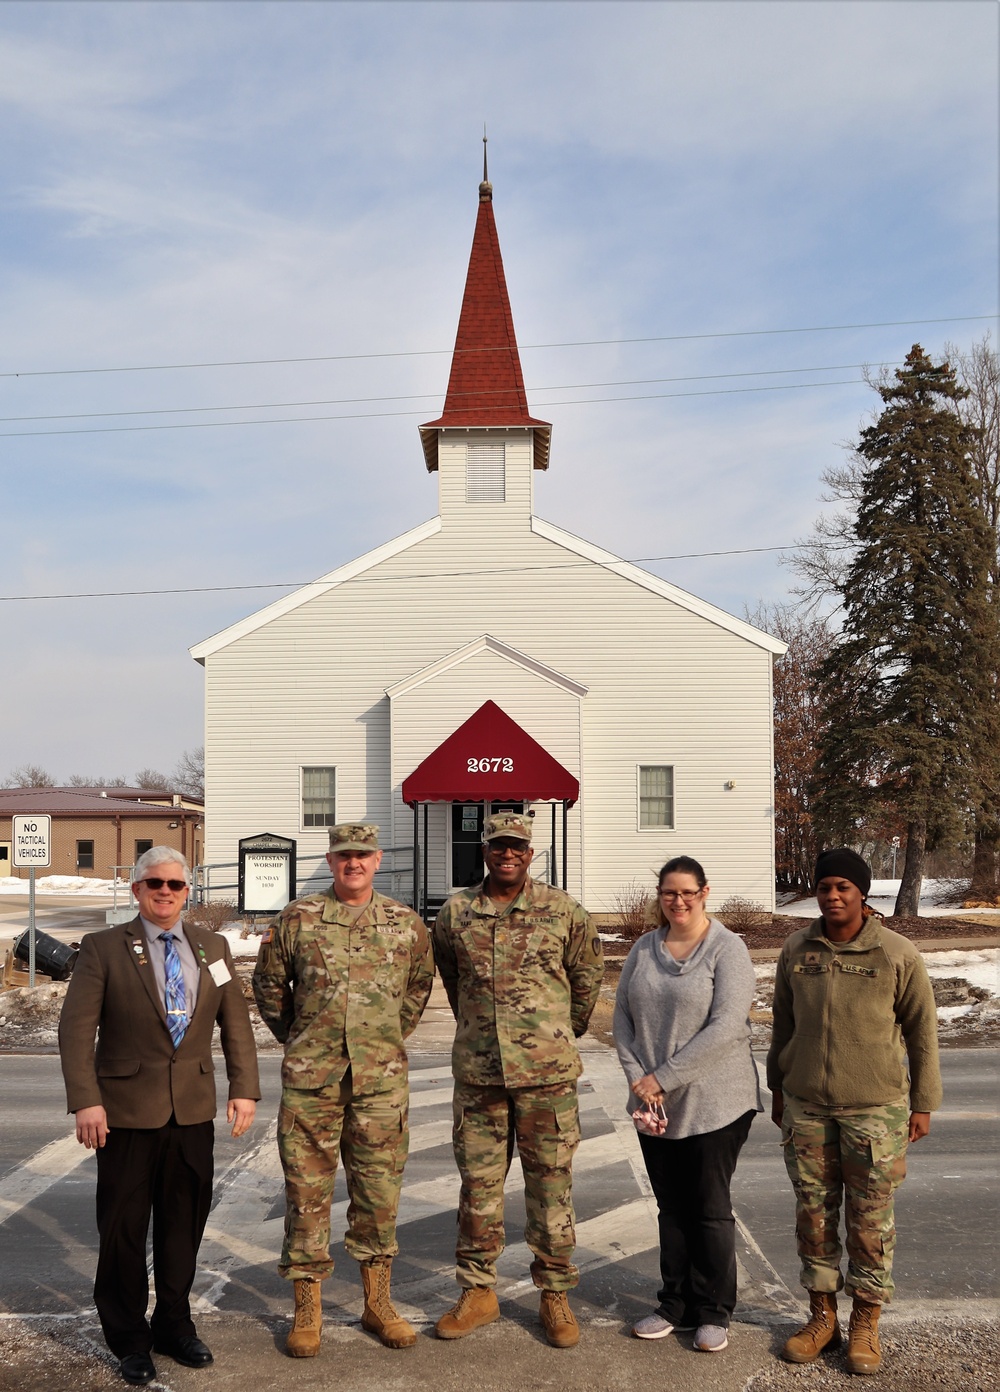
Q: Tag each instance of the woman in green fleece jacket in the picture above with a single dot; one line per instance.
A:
(854, 1076)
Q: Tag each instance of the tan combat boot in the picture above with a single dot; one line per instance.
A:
(561, 1328)
(863, 1352)
(380, 1316)
(303, 1337)
(476, 1305)
(821, 1332)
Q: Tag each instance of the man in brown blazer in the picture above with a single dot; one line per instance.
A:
(150, 992)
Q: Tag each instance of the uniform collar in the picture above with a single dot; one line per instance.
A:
(870, 936)
(336, 912)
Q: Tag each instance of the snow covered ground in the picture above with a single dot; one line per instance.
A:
(938, 899)
(63, 884)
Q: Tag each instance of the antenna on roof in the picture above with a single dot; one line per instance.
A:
(485, 188)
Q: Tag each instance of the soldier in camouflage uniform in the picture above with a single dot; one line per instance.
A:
(341, 980)
(853, 1069)
(522, 965)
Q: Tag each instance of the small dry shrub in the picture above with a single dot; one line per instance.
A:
(214, 915)
(740, 915)
(634, 908)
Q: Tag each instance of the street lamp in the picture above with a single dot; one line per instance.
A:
(895, 848)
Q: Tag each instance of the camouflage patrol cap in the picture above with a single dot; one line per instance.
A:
(353, 836)
(514, 824)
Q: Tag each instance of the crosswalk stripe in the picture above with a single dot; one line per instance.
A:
(39, 1172)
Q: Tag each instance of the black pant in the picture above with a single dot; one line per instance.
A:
(166, 1172)
(690, 1179)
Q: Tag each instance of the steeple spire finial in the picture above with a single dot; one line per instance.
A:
(485, 188)
(486, 386)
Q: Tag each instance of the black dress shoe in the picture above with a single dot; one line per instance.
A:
(187, 1349)
(137, 1368)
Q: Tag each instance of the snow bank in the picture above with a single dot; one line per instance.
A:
(63, 884)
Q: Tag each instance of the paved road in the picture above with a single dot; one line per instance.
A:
(949, 1209)
(948, 1218)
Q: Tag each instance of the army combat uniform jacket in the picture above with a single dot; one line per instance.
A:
(522, 981)
(344, 994)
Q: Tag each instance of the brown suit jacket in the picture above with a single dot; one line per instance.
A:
(134, 1070)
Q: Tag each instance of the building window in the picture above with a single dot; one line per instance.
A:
(319, 807)
(85, 855)
(141, 847)
(656, 797)
(485, 480)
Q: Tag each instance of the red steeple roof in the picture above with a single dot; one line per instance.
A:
(486, 388)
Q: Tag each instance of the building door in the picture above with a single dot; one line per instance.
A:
(466, 843)
(4, 859)
(467, 820)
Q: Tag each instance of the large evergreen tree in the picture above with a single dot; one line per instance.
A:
(906, 685)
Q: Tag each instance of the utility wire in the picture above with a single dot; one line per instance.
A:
(524, 347)
(435, 395)
(387, 415)
(426, 575)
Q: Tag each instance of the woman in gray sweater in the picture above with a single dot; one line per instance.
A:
(683, 1036)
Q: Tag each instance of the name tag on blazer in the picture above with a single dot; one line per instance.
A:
(219, 973)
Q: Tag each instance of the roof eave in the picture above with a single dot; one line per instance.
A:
(541, 431)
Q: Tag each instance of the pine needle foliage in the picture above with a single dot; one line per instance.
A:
(906, 686)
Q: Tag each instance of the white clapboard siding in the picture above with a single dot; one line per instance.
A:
(665, 678)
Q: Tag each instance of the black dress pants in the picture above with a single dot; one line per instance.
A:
(165, 1173)
(690, 1179)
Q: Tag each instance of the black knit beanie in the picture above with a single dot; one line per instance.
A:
(848, 865)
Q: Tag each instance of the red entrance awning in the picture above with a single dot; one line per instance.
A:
(490, 758)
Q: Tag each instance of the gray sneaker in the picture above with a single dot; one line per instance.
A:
(711, 1338)
(652, 1327)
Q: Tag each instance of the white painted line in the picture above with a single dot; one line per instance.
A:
(39, 1172)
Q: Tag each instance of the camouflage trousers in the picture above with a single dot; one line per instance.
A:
(857, 1152)
(370, 1132)
(545, 1123)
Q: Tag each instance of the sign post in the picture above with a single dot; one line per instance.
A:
(33, 848)
(267, 873)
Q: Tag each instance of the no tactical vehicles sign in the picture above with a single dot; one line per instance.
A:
(32, 841)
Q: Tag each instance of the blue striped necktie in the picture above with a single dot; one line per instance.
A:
(174, 997)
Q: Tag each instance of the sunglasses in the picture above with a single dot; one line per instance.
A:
(155, 882)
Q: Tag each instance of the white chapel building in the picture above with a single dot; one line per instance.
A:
(488, 659)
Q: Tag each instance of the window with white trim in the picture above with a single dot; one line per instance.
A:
(656, 797)
(485, 473)
(319, 797)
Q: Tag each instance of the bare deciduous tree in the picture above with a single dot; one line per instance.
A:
(29, 776)
(189, 773)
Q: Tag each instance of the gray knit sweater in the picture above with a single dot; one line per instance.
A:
(687, 1022)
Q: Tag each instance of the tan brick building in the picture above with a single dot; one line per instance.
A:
(95, 830)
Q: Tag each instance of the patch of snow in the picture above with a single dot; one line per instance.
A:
(977, 968)
(882, 896)
(239, 945)
(64, 884)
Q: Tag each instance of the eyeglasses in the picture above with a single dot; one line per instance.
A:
(516, 848)
(155, 882)
(688, 895)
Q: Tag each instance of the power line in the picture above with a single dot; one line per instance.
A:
(426, 575)
(524, 347)
(435, 395)
(388, 415)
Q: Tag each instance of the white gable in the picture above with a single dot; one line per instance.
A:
(473, 649)
(292, 601)
(628, 571)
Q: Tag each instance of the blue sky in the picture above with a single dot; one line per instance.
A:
(205, 183)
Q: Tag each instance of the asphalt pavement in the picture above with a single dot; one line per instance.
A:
(948, 1212)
